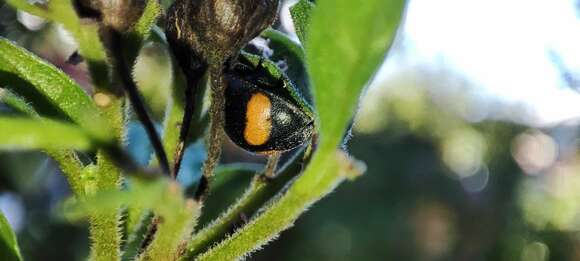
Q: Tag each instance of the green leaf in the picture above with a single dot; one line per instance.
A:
(342, 60)
(61, 91)
(86, 33)
(68, 161)
(148, 19)
(26, 134)
(290, 53)
(301, 15)
(281, 43)
(9, 249)
(16, 103)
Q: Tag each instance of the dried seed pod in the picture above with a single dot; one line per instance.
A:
(211, 31)
(119, 15)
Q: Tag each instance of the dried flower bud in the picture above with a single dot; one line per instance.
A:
(214, 30)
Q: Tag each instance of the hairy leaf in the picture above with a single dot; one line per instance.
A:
(61, 91)
(85, 33)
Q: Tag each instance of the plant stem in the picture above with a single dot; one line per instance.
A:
(260, 190)
(137, 102)
(174, 223)
(105, 228)
(71, 167)
(192, 112)
(324, 173)
(215, 132)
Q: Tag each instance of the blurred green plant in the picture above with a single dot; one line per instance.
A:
(9, 249)
(56, 116)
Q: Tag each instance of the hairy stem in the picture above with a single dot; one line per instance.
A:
(215, 132)
(260, 190)
(322, 176)
(104, 227)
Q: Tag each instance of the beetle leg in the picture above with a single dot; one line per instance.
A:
(270, 169)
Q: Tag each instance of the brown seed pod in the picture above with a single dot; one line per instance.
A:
(214, 30)
(119, 15)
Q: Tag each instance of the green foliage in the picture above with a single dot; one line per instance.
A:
(175, 215)
(40, 134)
(85, 33)
(136, 37)
(342, 67)
(9, 249)
(338, 69)
(61, 91)
(301, 15)
(292, 55)
(15, 102)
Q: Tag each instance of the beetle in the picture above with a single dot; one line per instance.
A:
(264, 111)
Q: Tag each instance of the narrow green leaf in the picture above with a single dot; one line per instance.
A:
(290, 54)
(144, 195)
(61, 91)
(68, 161)
(179, 217)
(86, 33)
(281, 43)
(9, 249)
(16, 103)
(26, 134)
(301, 16)
(341, 61)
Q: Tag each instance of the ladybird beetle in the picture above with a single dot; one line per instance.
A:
(264, 112)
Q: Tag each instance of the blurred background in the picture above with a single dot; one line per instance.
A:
(470, 132)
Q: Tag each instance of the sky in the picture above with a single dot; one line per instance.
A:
(502, 46)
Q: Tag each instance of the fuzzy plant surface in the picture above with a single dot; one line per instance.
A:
(140, 211)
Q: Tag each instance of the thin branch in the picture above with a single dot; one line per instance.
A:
(194, 79)
(130, 88)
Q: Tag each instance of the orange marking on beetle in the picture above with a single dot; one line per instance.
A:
(258, 120)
